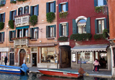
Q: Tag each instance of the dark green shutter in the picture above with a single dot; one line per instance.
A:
(66, 6)
(31, 33)
(54, 6)
(37, 10)
(15, 34)
(59, 7)
(15, 12)
(74, 26)
(95, 3)
(105, 23)
(60, 30)
(54, 30)
(31, 11)
(10, 35)
(105, 2)
(88, 30)
(10, 15)
(28, 9)
(22, 10)
(95, 26)
(67, 29)
(47, 7)
(4, 17)
(47, 32)
(0, 17)
(18, 10)
(3, 35)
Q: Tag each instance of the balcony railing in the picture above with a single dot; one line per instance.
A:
(22, 20)
(21, 41)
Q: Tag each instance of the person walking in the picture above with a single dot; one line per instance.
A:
(96, 65)
(5, 60)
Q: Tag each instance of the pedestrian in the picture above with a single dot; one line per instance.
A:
(5, 60)
(96, 65)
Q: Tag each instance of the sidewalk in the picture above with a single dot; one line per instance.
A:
(102, 74)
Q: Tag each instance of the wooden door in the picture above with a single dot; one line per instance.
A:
(34, 59)
(22, 55)
(11, 58)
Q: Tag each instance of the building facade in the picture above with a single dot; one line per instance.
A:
(112, 33)
(77, 20)
(35, 45)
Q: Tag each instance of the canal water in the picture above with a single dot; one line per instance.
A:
(34, 76)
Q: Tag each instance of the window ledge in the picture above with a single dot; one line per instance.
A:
(63, 12)
(50, 38)
(33, 39)
(11, 41)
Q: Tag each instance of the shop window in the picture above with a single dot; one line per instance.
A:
(12, 35)
(26, 10)
(84, 58)
(81, 26)
(73, 58)
(48, 55)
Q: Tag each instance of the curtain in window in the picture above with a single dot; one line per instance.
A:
(51, 7)
(100, 3)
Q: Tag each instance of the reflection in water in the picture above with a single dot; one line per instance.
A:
(34, 76)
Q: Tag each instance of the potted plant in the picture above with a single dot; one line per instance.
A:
(11, 24)
(1, 25)
(33, 20)
(62, 38)
(50, 17)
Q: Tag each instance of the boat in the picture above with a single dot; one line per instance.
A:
(14, 69)
(60, 73)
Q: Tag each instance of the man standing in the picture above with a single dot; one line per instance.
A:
(5, 60)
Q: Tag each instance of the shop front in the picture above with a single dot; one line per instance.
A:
(86, 54)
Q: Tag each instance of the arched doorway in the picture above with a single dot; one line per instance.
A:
(22, 55)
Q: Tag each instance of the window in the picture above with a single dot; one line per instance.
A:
(19, 31)
(12, 15)
(34, 10)
(63, 7)
(81, 26)
(84, 58)
(100, 26)
(50, 7)
(26, 10)
(25, 33)
(12, 35)
(100, 2)
(2, 2)
(34, 33)
(20, 11)
(2, 17)
(48, 55)
(2, 37)
(12, 0)
(63, 29)
(51, 31)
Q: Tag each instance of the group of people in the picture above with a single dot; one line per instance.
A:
(5, 60)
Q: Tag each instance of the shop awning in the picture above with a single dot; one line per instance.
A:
(99, 47)
(23, 27)
(42, 44)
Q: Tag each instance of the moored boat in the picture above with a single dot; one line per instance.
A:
(13, 69)
(60, 73)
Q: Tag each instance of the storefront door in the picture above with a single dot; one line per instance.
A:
(22, 55)
(34, 59)
(11, 58)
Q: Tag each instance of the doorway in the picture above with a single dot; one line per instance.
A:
(22, 56)
(11, 58)
(34, 59)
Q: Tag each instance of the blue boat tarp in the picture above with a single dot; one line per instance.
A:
(24, 68)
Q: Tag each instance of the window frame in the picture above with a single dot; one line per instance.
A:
(20, 11)
(102, 26)
(51, 6)
(26, 10)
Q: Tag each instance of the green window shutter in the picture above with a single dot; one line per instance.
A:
(10, 15)
(22, 10)
(74, 26)
(95, 26)
(0, 17)
(15, 34)
(15, 12)
(4, 18)
(95, 3)
(47, 35)
(54, 6)
(31, 13)
(105, 2)
(9, 35)
(31, 33)
(54, 30)
(67, 29)
(59, 7)
(60, 30)
(105, 23)
(28, 9)
(67, 6)
(88, 30)
(18, 10)
(47, 7)
(3, 35)
(37, 10)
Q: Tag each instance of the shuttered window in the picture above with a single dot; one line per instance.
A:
(2, 2)
(100, 2)
(2, 36)
(63, 29)
(35, 10)
(34, 33)
(26, 10)
(51, 7)
(12, 15)
(51, 31)
(63, 7)
(20, 11)
(2, 17)
(12, 34)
